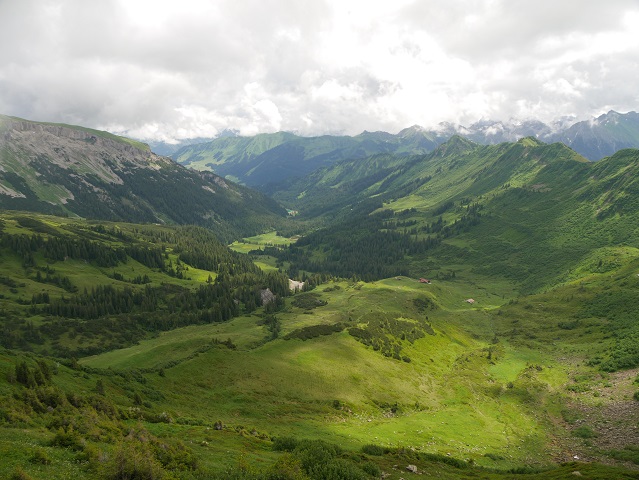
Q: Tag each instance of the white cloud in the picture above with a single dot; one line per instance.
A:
(169, 70)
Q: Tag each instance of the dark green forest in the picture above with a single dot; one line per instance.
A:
(108, 316)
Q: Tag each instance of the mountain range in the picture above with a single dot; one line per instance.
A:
(527, 211)
(271, 158)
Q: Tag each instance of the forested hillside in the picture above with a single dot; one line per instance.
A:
(272, 158)
(265, 159)
(73, 171)
(72, 289)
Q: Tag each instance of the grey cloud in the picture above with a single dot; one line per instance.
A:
(258, 66)
(504, 27)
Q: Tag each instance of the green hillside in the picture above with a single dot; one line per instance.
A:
(378, 375)
(209, 155)
(60, 278)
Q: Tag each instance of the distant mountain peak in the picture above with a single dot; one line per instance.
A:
(377, 134)
(530, 141)
(455, 146)
(411, 130)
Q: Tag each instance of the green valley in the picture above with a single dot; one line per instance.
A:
(466, 313)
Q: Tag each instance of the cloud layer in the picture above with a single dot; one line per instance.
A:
(167, 70)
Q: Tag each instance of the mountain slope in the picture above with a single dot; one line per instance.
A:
(453, 170)
(526, 213)
(378, 375)
(69, 170)
(394, 372)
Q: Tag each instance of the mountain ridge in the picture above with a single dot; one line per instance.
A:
(66, 170)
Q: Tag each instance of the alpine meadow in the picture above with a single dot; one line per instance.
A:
(392, 306)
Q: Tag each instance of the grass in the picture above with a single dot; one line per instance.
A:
(178, 344)
(449, 399)
(258, 242)
(30, 451)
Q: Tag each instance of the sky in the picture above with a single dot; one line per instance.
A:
(170, 70)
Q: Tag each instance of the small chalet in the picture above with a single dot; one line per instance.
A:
(470, 300)
(424, 280)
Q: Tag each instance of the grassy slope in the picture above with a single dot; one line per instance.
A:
(451, 397)
(269, 158)
(543, 207)
(235, 149)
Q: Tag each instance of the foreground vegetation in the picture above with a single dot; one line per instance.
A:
(348, 380)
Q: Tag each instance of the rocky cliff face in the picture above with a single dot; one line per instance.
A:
(73, 149)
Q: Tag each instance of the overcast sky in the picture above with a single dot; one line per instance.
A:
(191, 68)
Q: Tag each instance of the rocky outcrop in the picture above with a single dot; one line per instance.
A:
(267, 296)
(77, 150)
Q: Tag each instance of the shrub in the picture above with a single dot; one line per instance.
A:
(372, 469)
(308, 301)
(68, 438)
(20, 474)
(525, 470)
(494, 456)
(337, 469)
(40, 457)
(584, 431)
(315, 452)
(424, 303)
(287, 467)
(314, 331)
(435, 457)
(371, 449)
(284, 444)
(628, 454)
(176, 456)
(133, 460)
